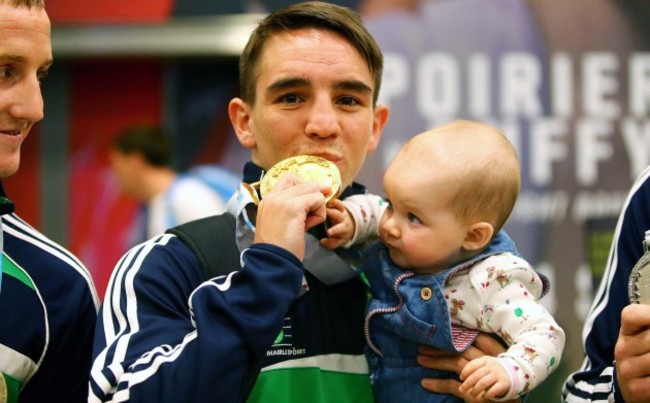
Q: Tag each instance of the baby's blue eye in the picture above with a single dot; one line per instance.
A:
(413, 218)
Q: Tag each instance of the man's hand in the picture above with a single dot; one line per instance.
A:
(455, 362)
(632, 353)
(287, 211)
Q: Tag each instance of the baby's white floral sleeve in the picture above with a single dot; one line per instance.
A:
(509, 289)
(366, 211)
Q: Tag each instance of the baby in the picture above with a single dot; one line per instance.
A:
(444, 270)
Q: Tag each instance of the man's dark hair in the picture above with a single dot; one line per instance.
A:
(312, 14)
(149, 141)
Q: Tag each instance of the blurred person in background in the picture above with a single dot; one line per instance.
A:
(48, 302)
(141, 157)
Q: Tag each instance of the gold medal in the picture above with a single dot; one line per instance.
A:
(309, 168)
(639, 283)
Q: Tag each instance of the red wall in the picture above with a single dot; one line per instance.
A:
(101, 12)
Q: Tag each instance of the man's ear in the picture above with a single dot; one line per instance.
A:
(378, 124)
(478, 236)
(239, 114)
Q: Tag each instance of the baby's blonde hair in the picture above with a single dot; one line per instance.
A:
(484, 169)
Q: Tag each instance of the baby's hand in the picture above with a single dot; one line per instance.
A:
(484, 378)
(341, 225)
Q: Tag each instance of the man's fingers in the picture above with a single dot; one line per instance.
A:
(486, 345)
(435, 360)
(287, 181)
(635, 318)
(446, 386)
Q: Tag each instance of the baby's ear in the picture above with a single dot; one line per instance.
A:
(478, 236)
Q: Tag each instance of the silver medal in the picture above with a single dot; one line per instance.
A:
(639, 284)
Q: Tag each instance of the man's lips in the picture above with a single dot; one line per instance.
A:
(9, 132)
(328, 156)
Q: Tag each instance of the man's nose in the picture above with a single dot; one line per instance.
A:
(323, 120)
(27, 101)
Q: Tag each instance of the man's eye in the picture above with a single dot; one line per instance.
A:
(413, 218)
(290, 99)
(5, 72)
(42, 74)
(349, 101)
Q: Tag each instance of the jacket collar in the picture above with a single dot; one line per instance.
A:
(6, 205)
